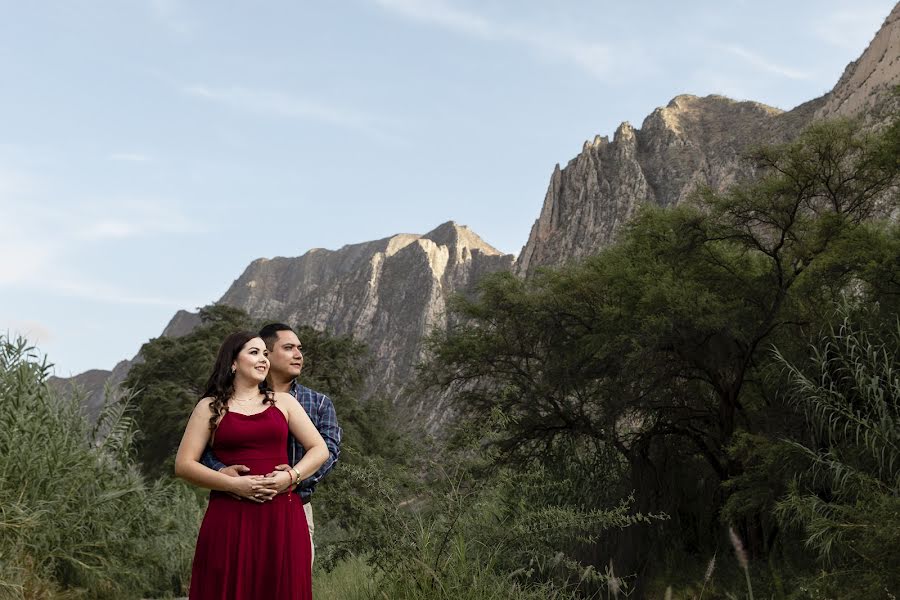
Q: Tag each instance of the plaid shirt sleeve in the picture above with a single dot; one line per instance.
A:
(326, 423)
(210, 460)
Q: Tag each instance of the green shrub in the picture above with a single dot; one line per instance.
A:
(847, 501)
(462, 525)
(77, 518)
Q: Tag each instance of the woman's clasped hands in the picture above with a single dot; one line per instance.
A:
(258, 488)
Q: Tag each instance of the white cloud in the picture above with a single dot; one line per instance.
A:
(171, 14)
(23, 250)
(35, 332)
(15, 184)
(442, 14)
(23, 258)
(707, 81)
(593, 57)
(128, 157)
(38, 240)
(124, 218)
(36, 268)
(762, 64)
(109, 229)
(849, 29)
(273, 103)
(103, 292)
(279, 104)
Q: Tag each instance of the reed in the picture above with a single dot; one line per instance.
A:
(77, 518)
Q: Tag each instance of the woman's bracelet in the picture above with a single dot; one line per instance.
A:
(295, 479)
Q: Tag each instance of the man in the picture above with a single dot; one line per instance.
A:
(285, 365)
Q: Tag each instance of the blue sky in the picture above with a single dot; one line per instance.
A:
(150, 150)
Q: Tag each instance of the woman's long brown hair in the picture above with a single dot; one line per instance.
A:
(220, 385)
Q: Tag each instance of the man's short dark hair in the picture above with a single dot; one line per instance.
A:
(269, 333)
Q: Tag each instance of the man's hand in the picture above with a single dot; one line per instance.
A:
(282, 484)
(234, 470)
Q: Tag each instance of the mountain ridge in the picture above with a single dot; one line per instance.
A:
(391, 291)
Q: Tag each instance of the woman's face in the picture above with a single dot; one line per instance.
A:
(252, 361)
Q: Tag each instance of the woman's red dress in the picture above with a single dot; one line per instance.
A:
(246, 550)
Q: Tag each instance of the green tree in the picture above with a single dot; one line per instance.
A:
(340, 367)
(169, 378)
(658, 346)
(460, 524)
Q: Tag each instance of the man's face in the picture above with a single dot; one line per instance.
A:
(285, 356)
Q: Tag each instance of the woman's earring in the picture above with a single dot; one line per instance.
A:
(233, 369)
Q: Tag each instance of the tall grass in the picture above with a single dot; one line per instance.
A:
(77, 519)
(847, 501)
(356, 578)
(470, 527)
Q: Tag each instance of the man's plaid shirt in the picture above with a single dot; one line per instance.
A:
(321, 412)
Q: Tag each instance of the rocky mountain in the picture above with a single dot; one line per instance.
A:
(691, 141)
(387, 293)
(90, 386)
(390, 292)
(867, 82)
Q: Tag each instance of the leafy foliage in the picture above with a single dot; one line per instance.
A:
(847, 500)
(168, 380)
(657, 349)
(472, 528)
(77, 519)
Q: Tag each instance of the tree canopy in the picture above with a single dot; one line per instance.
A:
(660, 346)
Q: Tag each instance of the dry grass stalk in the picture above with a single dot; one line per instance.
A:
(613, 583)
(709, 571)
(741, 554)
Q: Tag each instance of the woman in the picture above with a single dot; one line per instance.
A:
(251, 545)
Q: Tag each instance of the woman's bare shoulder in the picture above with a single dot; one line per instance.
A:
(285, 403)
(284, 397)
(204, 403)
